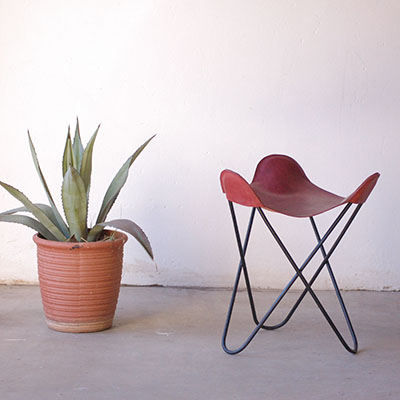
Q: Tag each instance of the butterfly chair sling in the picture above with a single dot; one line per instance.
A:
(280, 185)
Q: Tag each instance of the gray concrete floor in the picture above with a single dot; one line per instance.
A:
(165, 344)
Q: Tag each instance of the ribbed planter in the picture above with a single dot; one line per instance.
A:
(79, 282)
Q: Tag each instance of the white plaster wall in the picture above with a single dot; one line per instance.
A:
(223, 83)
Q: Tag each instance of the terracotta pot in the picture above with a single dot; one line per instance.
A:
(79, 282)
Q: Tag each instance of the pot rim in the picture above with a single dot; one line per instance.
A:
(120, 239)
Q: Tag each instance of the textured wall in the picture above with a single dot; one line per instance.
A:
(223, 83)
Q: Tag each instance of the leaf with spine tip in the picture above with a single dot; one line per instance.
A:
(77, 146)
(117, 183)
(86, 167)
(30, 223)
(59, 219)
(75, 203)
(44, 207)
(125, 225)
(36, 211)
(69, 157)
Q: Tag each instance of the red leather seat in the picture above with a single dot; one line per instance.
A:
(280, 185)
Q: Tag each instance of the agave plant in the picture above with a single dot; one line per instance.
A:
(76, 171)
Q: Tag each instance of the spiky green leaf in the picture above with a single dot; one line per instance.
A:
(36, 211)
(59, 219)
(69, 157)
(44, 207)
(75, 203)
(117, 183)
(86, 168)
(77, 147)
(125, 225)
(30, 223)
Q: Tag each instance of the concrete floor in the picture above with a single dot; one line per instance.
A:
(165, 344)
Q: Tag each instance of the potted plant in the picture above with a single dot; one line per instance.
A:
(79, 266)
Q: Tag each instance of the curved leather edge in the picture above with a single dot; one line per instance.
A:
(360, 195)
(238, 190)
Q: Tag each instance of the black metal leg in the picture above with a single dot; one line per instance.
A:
(319, 246)
(335, 285)
(242, 265)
